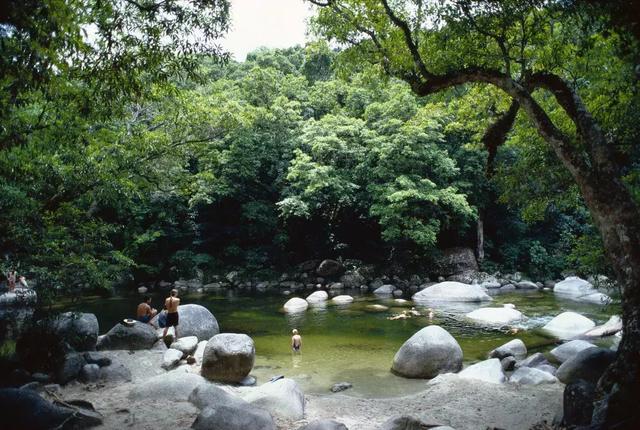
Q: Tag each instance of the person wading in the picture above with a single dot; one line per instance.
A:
(296, 341)
(171, 304)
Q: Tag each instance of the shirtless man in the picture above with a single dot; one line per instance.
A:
(296, 341)
(11, 280)
(171, 304)
(145, 312)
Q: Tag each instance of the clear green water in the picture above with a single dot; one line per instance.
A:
(350, 342)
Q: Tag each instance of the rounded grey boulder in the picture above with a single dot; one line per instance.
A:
(137, 336)
(428, 353)
(79, 330)
(231, 417)
(589, 364)
(195, 320)
(228, 357)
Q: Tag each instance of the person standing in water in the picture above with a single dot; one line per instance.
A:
(296, 341)
(171, 303)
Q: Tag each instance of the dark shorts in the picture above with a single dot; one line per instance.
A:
(172, 319)
(145, 319)
(296, 348)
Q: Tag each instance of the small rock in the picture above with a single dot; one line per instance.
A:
(487, 370)
(93, 357)
(406, 422)
(186, 344)
(171, 358)
(508, 363)
(296, 304)
(570, 349)
(531, 376)
(340, 386)
(343, 299)
(533, 360)
(90, 373)
(515, 348)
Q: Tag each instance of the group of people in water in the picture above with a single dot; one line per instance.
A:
(169, 317)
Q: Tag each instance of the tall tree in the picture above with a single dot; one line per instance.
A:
(520, 48)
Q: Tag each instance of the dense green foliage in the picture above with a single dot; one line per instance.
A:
(188, 165)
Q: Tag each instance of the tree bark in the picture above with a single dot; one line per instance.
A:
(480, 242)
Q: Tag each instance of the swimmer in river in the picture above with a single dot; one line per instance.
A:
(430, 314)
(296, 341)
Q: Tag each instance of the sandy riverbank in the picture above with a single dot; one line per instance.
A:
(446, 400)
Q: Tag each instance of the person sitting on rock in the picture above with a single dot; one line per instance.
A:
(11, 280)
(296, 341)
(145, 312)
(171, 304)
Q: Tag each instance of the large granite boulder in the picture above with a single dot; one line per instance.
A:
(324, 424)
(428, 353)
(612, 326)
(319, 296)
(352, 279)
(487, 370)
(26, 409)
(282, 397)
(195, 320)
(228, 357)
(514, 348)
(296, 304)
(121, 336)
(589, 364)
(230, 417)
(79, 330)
(329, 268)
(171, 358)
(568, 325)
(17, 309)
(495, 316)
(457, 260)
(174, 386)
(578, 403)
(187, 345)
(69, 367)
(211, 395)
(452, 291)
(570, 349)
(342, 299)
(532, 376)
(576, 288)
(115, 373)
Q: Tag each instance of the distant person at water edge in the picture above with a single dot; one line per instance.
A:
(145, 312)
(23, 282)
(296, 341)
(171, 304)
(11, 280)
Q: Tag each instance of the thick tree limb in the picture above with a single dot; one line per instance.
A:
(497, 133)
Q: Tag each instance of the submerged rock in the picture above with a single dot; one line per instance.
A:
(568, 325)
(495, 316)
(319, 296)
(487, 370)
(228, 357)
(452, 291)
(428, 353)
(343, 299)
(406, 422)
(576, 288)
(340, 386)
(296, 304)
